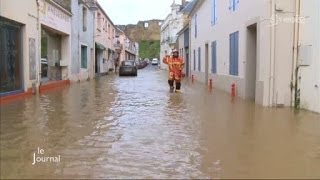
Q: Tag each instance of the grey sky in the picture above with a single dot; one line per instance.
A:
(131, 11)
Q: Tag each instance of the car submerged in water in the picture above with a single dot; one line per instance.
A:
(128, 68)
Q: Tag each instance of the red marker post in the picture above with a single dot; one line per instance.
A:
(233, 90)
(210, 85)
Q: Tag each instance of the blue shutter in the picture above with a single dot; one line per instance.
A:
(231, 54)
(231, 5)
(194, 59)
(195, 28)
(215, 12)
(199, 59)
(236, 4)
(214, 57)
(236, 53)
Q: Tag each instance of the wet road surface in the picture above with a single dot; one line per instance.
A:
(132, 127)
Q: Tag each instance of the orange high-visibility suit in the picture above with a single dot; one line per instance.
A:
(175, 65)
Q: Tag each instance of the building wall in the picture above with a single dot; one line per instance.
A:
(229, 22)
(104, 34)
(80, 37)
(27, 16)
(58, 21)
(169, 29)
(310, 75)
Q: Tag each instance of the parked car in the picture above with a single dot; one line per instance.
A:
(44, 67)
(128, 68)
(155, 61)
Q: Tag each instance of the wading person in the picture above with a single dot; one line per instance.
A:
(175, 64)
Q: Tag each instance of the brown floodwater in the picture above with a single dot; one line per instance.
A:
(133, 127)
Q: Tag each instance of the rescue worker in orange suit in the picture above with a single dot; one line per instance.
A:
(175, 64)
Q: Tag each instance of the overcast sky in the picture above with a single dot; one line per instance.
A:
(123, 12)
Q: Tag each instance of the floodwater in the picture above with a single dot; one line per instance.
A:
(132, 127)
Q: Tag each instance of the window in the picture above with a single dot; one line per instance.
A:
(84, 19)
(195, 26)
(84, 57)
(146, 25)
(234, 53)
(99, 20)
(199, 59)
(127, 63)
(194, 59)
(214, 12)
(214, 57)
(233, 5)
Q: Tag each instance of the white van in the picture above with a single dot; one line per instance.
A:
(154, 61)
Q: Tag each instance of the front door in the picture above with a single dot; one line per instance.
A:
(187, 63)
(10, 57)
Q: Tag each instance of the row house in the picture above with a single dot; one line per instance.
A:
(183, 42)
(82, 47)
(50, 43)
(35, 44)
(125, 48)
(173, 23)
(268, 49)
(104, 37)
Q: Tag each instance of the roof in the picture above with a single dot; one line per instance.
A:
(196, 6)
(105, 13)
(189, 7)
(183, 29)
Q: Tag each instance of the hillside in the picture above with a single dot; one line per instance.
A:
(147, 34)
(149, 49)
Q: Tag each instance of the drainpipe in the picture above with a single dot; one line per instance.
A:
(39, 45)
(272, 54)
(190, 49)
(295, 67)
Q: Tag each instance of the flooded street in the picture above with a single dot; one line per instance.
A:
(133, 127)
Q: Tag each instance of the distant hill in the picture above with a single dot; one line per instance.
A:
(147, 34)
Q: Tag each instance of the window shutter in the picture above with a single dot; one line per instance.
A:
(236, 55)
(194, 59)
(212, 12)
(199, 59)
(214, 57)
(215, 12)
(231, 5)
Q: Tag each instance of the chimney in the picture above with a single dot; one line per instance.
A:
(183, 2)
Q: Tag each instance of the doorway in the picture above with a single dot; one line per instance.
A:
(187, 63)
(251, 65)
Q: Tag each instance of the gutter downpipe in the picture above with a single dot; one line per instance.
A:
(295, 66)
(39, 45)
(272, 54)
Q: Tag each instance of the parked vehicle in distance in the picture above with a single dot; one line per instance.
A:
(154, 61)
(44, 67)
(128, 68)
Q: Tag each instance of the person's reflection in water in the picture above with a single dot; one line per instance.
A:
(175, 106)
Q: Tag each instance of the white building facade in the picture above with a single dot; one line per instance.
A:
(309, 56)
(250, 44)
(169, 29)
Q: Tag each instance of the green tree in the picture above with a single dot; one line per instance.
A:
(149, 49)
